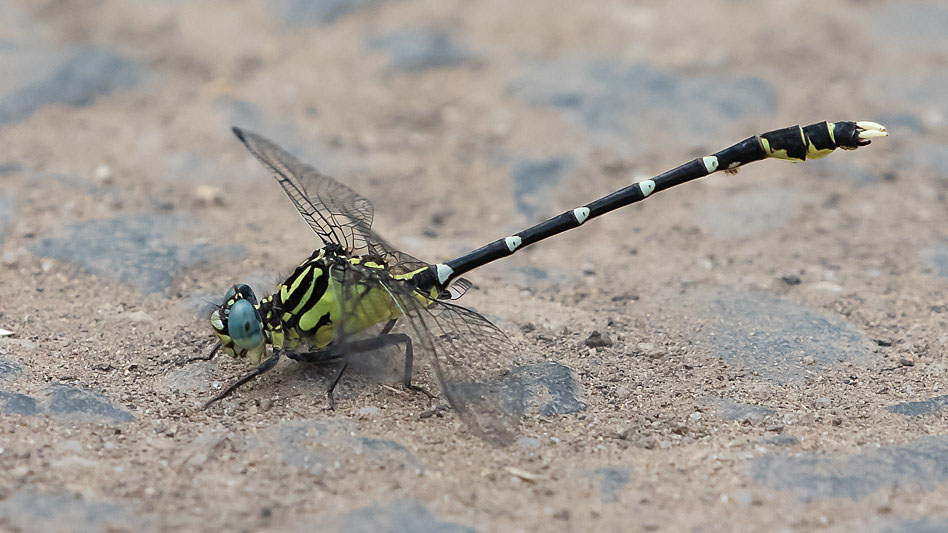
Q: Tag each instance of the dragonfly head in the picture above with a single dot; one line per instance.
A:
(238, 325)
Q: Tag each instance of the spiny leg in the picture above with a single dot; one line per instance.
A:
(262, 368)
(207, 357)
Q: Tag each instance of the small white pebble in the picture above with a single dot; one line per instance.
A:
(103, 172)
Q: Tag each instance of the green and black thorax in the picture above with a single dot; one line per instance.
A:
(306, 309)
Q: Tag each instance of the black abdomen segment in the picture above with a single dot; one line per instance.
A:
(793, 144)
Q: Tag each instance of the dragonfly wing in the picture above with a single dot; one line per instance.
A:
(471, 358)
(338, 214)
(308, 189)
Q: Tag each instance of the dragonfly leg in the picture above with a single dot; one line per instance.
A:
(324, 355)
(332, 383)
(395, 338)
(262, 368)
(384, 338)
(387, 328)
(409, 361)
(207, 357)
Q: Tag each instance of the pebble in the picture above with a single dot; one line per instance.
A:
(369, 410)
(103, 173)
(623, 392)
(792, 280)
(597, 339)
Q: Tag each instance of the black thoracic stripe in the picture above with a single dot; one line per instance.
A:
(788, 143)
(323, 321)
(320, 283)
(297, 296)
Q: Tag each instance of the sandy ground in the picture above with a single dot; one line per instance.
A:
(776, 352)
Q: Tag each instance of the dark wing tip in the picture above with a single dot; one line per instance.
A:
(239, 133)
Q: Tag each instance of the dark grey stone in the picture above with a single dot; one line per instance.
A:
(736, 411)
(57, 510)
(534, 180)
(9, 370)
(9, 167)
(922, 463)
(14, 403)
(745, 214)
(147, 251)
(83, 405)
(311, 445)
(597, 339)
(89, 72)
(619, 105)
(612, 480)
(397, 515)
(420, 49)
(920, 408)
(7, 210)
(318, 12)
(771, 336)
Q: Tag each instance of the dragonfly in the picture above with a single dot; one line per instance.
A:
(358, 294)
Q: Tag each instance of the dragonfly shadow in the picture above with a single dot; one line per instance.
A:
(549, 388)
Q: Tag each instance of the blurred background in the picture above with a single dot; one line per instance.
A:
(763, 329)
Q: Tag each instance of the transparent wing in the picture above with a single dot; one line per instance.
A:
(471, 359)
(338, 214)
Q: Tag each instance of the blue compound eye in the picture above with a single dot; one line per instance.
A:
(244, 290)
(243, 325)
(231, 292)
